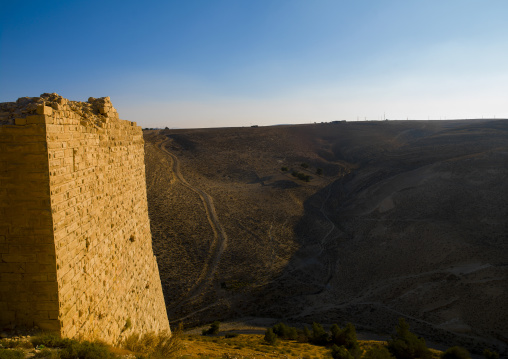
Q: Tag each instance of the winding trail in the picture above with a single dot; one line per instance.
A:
(220, 240)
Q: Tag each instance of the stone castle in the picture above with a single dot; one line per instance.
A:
(75, 245)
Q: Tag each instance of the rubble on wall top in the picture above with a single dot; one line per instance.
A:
(94, 111)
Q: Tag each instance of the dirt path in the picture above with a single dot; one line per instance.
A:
(220, 238)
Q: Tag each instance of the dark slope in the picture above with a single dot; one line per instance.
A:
(409, 219)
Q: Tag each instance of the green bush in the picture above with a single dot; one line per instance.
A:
(86, 350)
(304, 165)
(284, 169)
(319, 335)
(345, 337)
(270, 337)
(406, 345)
(378, 353)
(456, 353)
(340, 352)
(284, 331)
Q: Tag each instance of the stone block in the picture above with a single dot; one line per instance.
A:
(49, 325)
(44, 110)
(35, 119)
(46, 305)
(12, 267)
(20, 121)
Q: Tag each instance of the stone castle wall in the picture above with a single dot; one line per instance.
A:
(76, 227)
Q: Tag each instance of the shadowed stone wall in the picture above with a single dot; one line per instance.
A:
(75, 243)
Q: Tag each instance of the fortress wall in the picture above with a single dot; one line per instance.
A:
(28, 285)
(107, 275)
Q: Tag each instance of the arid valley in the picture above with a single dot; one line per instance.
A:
(335, 222)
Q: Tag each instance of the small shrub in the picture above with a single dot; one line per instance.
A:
(230, 335)
(284, 169)
(304, 165)
(319, 171)
(213, 330)
(270, 337)
(340, 352)
(294, 174)
(456, 353)
(285, 332)
(488, 354)
(86, 350)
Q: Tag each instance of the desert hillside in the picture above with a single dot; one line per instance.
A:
(400, 219)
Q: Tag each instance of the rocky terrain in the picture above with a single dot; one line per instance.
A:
(405, 219)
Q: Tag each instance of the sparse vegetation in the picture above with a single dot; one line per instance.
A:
(301, 176)
(11, 344)
(340, 339)
(228, 164)
(284, 169)
(47, 354)
(11, 354)
(304, 165)
(86, 350)
(65, 348)
(378, 353)
(319, 171)
(50, 340)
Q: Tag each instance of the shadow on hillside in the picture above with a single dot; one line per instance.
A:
(447, 209)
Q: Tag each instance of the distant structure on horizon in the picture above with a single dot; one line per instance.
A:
(75, 244)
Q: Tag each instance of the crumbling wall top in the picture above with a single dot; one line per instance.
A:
(93, 112)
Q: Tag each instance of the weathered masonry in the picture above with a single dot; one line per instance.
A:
(75, 245)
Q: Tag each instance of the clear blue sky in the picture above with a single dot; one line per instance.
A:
(195, 63)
